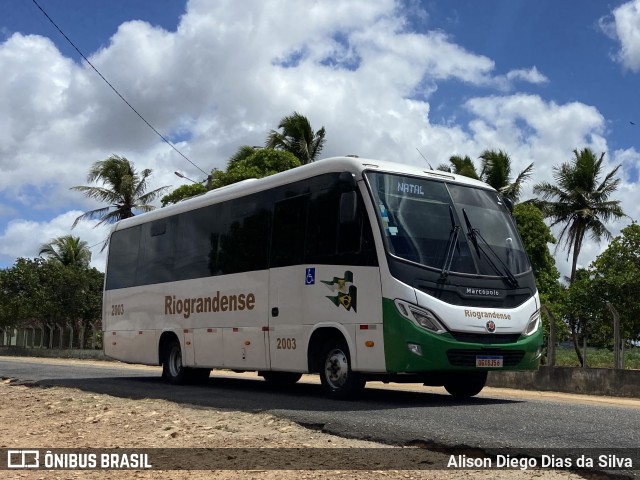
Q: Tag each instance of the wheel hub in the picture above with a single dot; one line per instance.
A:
(337, 368)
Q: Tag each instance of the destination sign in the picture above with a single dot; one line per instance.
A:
(411, 188)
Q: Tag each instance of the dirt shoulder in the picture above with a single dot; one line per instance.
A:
(34, 417)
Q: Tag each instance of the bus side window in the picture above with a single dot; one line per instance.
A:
(322, 231)
(243, 246)
(196, 229)
(156, 261)
(288, 234)
(123, 258)
(330, 242)
(350, 234)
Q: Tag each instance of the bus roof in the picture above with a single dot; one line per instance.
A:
(354, 165)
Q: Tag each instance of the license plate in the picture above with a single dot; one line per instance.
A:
(488, 362)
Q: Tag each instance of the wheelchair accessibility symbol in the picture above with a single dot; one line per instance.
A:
(310, 276)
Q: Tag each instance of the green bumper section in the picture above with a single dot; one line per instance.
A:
(444, 353)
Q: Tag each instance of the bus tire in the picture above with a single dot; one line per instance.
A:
(466, 384)
(281, 379)
(172, 369)
(338, 379)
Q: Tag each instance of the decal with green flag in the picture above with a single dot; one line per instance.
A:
(347, 292)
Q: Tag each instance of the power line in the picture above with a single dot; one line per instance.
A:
(114, 89)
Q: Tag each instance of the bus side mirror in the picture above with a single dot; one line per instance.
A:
(348, 207)
(346, 181)
(509, 203)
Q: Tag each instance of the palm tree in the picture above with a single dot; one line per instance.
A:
(496, 171)
(460, 166)
(123, 190)
(579, 201)
(298, 138)
(67, 250)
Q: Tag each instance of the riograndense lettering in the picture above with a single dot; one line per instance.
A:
(208, 304)
(480, 315)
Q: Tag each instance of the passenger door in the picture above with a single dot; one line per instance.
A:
(287, 340)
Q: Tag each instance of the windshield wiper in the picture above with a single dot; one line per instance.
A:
(451, 246)
(474, 234)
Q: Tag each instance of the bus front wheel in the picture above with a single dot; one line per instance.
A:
(466, 384)
(336, 375)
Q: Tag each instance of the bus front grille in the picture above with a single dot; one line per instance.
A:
(467, 358)
(485, 338)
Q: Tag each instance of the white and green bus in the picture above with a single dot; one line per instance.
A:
(349, 268)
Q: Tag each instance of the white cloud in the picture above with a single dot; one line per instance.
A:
(531, 75)
(625, 28)
(228, 74)
(23, 238)
(534, 130)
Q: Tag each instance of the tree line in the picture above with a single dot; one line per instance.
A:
(579, 202)
(58, 292)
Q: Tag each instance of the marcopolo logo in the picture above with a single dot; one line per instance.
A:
(481, 292)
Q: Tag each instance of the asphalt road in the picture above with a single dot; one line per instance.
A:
(421, 416)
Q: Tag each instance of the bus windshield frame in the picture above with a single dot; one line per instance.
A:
(447, 226)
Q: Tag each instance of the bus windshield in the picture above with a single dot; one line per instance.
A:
(450, 227)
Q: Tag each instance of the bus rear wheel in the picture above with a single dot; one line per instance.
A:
(175, 372)
(466, 384)
(338, 379)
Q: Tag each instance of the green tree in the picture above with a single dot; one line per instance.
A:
(261, 163)
(460, 166)
(583, 309)
(297, 137)
(536, 236)
(581, 203)
(123, 189)
(67, 250)
(182, 193)
(20, 295)
(243, 152)
(47, 292)
(496, 171)
(615, 276)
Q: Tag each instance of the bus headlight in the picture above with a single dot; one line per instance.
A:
(533, 325)
(420, 316)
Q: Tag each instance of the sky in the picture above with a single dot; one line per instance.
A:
(385, 78)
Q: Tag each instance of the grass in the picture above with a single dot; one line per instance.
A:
(597, 358)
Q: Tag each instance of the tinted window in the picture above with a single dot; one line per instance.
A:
(155, 265)
(289, 226)
(322, 236)
(198, 235)
(244, 244)
(123, 258)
